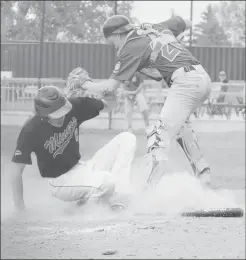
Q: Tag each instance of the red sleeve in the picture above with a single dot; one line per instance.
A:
(125, 67)
(132, 57)
(24, 147)
(175, 24)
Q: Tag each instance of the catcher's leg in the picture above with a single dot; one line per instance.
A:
(158, 145)
(187, 140)
(189, 90)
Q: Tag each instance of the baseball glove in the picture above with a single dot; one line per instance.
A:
(75, 81)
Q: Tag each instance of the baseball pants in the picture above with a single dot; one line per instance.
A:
(188, 91)
(111, 165)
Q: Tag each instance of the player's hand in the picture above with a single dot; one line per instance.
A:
(146, 26)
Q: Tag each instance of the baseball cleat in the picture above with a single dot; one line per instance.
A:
(118, 207)
(205, 177)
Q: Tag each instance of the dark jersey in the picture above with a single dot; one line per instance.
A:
(56, 148)
(175, 24)
(134, 55)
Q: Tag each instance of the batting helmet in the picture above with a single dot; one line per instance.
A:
(116, 24)
(51, 102)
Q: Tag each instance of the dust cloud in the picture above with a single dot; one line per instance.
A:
(175, 193)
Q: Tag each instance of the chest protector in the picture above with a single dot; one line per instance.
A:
(158, 40)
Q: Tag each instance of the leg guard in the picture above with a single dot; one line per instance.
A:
(188, 142)
(159, 141)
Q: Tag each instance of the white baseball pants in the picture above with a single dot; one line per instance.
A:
(188, 91)
(110, 165)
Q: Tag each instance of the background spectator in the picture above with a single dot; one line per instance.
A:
(134, 95)
(223, 77)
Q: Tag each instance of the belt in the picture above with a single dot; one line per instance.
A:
(188, 68)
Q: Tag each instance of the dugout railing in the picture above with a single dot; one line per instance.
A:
(17, 95)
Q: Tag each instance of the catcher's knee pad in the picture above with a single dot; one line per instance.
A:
(187, 139)
(158, 140)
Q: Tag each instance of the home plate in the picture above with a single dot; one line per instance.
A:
(219, 213)
(226, 212)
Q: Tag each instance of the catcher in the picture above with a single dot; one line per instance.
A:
(157, 47)
(52, 134)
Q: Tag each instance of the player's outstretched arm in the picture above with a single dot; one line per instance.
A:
(79, 81)
(17, 185)
(108, 84)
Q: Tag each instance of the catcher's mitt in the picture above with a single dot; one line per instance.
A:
(75, 81)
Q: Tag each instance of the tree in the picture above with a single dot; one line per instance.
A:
(231, 16)
(73, 20)
(8, 17)
(209, 32)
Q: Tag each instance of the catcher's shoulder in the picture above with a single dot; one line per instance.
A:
(135, 45)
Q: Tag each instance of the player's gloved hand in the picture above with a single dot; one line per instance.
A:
(146, 26)
(75, 81)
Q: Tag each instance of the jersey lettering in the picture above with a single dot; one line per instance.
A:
(57, 143)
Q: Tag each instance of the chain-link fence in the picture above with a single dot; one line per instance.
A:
(17, 95)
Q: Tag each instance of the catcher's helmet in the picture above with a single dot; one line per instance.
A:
(50, 102)
(116, 24)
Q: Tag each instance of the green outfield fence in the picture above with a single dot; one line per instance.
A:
(17, 95)
(59, 58)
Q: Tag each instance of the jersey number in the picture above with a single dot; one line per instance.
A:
(169, 52)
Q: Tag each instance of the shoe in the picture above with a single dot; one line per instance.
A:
(130, 130)
(81, 202)
(205, 177)
(118, 207)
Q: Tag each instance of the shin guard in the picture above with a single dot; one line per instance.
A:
(188, 142)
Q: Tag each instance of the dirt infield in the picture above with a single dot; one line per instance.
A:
(52, 229)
